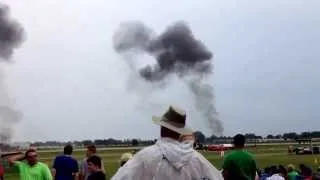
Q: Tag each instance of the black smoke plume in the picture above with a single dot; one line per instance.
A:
(11, 37)
(177, 51)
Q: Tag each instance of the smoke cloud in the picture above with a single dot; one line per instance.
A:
(11, 37)
(177, 51)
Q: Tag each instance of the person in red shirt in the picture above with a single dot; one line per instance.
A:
(1, 172)
(306, 172)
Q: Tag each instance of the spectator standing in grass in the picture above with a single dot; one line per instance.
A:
(283, 172)
(84, 172)
(275, 174)
(124, 158)
(239, 164)
(265, 174)
(316, 175)
(94, 167)
(31, 169)
(172, 157)
(306, 172)
(292, 173)
(65, 167)
(1, 171)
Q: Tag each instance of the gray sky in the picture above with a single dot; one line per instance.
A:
(70, 84)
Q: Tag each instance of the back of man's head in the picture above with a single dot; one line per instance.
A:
(267, 170)
(68, 149)
(92, 148)
(290, 168)
(274, 170)
(239, 141)
(165, 132)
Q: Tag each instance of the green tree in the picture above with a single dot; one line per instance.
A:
(291, 135)
(270, 136)
(134, 142)
(199, 136)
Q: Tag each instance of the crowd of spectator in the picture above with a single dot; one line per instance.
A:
(290, 172)
(171, 157)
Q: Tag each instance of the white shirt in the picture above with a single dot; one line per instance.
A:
(168, 159)
(275, 177)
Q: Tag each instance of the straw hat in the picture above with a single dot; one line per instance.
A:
(173, 119)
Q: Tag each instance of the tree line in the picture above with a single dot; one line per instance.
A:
(200, 137)
(98, 142)
(252, 136)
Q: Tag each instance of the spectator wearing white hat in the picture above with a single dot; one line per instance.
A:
(124, 158)
(172, 157)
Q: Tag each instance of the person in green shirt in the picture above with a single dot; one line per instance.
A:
(30, 169)
(239, 164)
(292, 173)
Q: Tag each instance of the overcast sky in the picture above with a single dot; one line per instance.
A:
(70, 84)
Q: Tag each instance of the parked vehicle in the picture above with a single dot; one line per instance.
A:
(219, 147)
(307, 150)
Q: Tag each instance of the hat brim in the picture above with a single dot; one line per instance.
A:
(183, 131)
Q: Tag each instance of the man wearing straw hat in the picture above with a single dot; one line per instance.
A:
(172, 157)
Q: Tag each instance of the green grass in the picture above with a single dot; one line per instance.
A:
(265, 156)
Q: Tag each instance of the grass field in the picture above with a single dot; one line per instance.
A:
(265, 155)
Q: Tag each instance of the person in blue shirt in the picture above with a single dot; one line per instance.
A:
(65, 167)
(265, 174)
